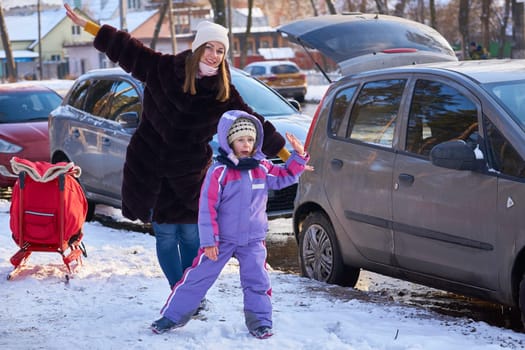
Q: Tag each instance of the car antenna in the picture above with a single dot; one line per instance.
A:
(313, 60)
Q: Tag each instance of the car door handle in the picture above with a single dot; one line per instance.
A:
(336, 163)
(406, 179)
(76, 133)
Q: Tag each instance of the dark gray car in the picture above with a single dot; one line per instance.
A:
(420, 175)
(94, 124)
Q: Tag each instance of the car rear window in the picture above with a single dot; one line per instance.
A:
(256, 70)
(284, 69)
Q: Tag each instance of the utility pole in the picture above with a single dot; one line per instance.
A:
(123, 15)
(230, 33)
(39, 43)
(173, 35)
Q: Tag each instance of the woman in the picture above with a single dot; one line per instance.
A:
(168, 155)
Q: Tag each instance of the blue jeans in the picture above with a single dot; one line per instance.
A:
(177, 246)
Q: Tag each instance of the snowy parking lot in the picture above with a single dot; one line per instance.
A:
(112, 299)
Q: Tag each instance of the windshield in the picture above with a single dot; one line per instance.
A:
(511, 95)
(261, 98)
(19, 107)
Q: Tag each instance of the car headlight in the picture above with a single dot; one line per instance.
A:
(7, 147)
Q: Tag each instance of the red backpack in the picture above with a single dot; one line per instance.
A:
(48, 209)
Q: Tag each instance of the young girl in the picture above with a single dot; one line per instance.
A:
(167, 157)
(233, 223)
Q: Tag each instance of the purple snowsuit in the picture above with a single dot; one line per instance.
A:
(232, 216)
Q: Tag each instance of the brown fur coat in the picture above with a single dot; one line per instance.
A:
(169, 154)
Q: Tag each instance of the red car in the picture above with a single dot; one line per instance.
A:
(24, 109)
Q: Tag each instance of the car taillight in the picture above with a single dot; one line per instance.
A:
(399, 50)
(312, 125)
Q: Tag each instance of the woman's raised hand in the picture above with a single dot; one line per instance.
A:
(74, 17)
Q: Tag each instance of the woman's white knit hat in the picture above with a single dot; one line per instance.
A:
(208, 31)
(241, 127)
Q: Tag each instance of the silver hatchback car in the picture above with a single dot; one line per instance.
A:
(420, 175)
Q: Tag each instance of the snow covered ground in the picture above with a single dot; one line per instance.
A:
(117, 293)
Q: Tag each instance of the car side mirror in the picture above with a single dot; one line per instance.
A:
(457, 155)
(128, 120)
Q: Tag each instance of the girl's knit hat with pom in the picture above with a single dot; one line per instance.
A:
(241, 127)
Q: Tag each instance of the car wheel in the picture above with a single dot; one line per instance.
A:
(319, 254)
(521, 300)
(300, 98)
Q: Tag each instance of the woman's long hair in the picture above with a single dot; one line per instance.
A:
(192, 68)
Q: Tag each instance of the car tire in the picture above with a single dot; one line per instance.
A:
(90, 214)
(300, 98)
(319, 254)
(521, 300)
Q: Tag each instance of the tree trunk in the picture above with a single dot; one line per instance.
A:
(463, 26)
(173, 35)
(381, 7)
(11, 68)
(219, 10)
(432, 6)
(331, 8)
(517, 30)
(485, 23)
(399, 8)
(503, 29)
(314, 8)
(244, 45)
(158, 25)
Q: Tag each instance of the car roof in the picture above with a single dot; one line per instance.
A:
(118, 71)
(23, 86)
(482, 71)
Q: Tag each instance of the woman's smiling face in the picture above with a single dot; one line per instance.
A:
(213, 55)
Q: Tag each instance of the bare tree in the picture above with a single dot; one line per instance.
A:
(314, 8)
(362, 6)
(331, 8)
(162, 13)
(219, 10)
(399, 9)
(503, 29)
(463, 23)
(485, 23)
(244, 45)
(432, 7)
(11, 68)
(517, 30)
(381, 7)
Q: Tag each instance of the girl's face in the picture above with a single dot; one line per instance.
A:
(213, 53)
(243, 146)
